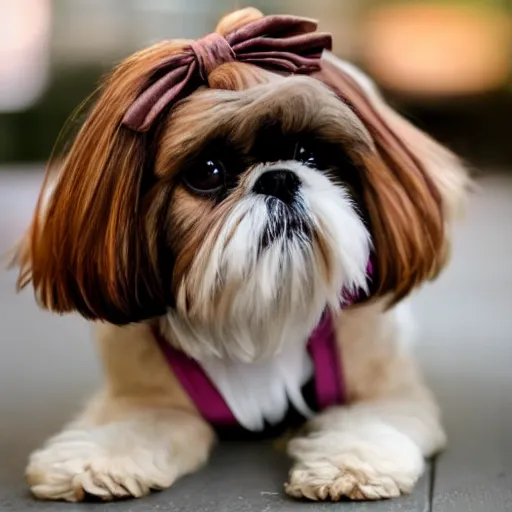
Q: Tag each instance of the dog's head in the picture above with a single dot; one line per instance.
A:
(248, 207)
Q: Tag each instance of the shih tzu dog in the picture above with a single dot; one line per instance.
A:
(242, 217)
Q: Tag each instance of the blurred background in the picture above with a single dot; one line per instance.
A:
(447, 64)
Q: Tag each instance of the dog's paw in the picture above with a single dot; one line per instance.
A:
(74, 464)
(324, 481)
(363, 466)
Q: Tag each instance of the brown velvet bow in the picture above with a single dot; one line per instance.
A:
(283, 44)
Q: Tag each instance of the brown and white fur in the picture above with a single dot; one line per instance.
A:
(124, 242)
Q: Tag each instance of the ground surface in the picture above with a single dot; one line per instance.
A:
(48, 367)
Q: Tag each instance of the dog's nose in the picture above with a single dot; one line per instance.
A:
(279, 183)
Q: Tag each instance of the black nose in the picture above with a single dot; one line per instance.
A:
(279, 183)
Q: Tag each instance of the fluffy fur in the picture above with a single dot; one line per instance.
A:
(239, 280)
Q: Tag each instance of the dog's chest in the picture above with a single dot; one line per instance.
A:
(261, 393)
(257, 395)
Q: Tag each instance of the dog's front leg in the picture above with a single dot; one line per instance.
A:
(367, 451)
(374, 447)
(140, 433)
(145, 450)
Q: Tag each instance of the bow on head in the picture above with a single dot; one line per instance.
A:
(283, 44)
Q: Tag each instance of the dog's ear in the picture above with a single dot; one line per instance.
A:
(413, 187)
(93, 246)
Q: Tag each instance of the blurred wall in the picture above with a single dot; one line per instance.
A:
(444, 63)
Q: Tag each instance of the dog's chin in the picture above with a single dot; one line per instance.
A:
(264, 278)
(288, 222)
(281, 300)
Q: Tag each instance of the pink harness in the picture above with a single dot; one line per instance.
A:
(328, 378)
(322, 348)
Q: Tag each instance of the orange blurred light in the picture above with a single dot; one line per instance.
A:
(434, 49)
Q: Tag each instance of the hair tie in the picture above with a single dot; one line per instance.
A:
(283, 44)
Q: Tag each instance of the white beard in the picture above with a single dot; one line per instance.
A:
(245, 304)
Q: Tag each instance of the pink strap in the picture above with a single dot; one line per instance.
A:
(196, 383)
(322, 347)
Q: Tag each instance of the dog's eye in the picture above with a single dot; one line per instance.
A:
(304, 154)
(207, 177)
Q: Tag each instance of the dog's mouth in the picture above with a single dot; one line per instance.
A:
(285, 222)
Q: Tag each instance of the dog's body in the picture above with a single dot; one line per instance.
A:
(142, 431)
(237, 276)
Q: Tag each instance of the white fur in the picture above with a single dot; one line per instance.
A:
(245, 306)
(368, 461)
(262, 391)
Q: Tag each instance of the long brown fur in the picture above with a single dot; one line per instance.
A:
(404, 205)
(103, 247)
(94, 252)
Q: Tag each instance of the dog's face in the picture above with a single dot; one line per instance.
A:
(250, 208)
(262, 200)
